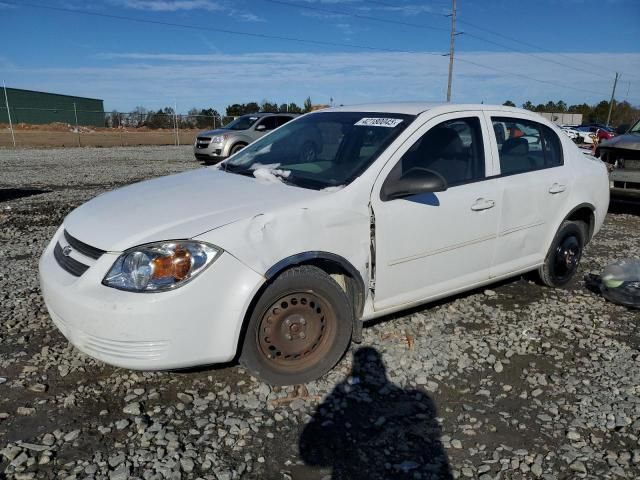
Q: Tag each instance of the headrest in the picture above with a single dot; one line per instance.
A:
(442, 142)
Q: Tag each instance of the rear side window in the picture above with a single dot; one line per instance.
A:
(269, 123)
(454, 149)
(282, 120)
(525, 146)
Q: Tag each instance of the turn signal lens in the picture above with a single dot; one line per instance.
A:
(176, 266)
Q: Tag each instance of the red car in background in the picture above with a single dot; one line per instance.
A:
(602, 132)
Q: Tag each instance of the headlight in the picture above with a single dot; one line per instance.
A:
(218, 139)
(160, 266)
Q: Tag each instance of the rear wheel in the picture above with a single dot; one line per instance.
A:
(563, 257)
(299, 329)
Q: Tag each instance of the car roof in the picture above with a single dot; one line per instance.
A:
(416, 108)
(268, 114)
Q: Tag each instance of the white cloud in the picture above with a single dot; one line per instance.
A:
(407, 9)
(171, 5)
(188, 6)
(155, 80)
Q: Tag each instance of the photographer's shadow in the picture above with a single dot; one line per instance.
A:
(368, 428)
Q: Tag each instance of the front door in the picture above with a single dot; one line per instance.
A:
(433, 244)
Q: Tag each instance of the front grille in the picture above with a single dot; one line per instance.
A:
(69, 264)
(83, 248)
(631, 185)
(203, 142)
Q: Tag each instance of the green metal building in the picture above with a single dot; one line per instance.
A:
(28, 106)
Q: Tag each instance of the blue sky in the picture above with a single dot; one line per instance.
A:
(571, 50)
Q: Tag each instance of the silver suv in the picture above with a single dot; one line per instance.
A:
(213, 146)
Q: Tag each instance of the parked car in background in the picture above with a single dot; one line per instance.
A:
(622, 153)
(570, 131)
(578, 134)
(600, 131)
(277, 255)
(213, 146)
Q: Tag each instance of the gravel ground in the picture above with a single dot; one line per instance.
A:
(519, 381)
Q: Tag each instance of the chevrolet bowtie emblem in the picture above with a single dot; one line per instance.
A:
(66, 251)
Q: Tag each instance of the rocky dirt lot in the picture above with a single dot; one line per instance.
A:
(519, 381)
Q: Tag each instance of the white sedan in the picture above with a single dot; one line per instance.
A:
(276, 258)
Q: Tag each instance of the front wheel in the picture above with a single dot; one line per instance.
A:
(236, 148)
(563, 257)
(299, 329)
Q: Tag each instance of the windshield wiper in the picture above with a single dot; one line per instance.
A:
(232, 168)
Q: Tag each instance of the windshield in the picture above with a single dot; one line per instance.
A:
(241, 123)
(320, 150)
(635, 128)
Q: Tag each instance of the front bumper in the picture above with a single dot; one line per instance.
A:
(196, 324)
(214, 152)
(209, 158)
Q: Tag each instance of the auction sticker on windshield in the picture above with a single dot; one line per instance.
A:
(379, 122)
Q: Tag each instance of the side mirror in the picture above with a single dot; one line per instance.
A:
(260, 128)
(413, 182)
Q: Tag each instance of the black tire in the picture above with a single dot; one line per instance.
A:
(563, 258)
(236, 148)
(299, 329)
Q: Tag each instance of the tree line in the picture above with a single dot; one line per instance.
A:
(623, 113)
(198, 118)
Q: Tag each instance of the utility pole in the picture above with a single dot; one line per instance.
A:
(451, 49)
(6, 99)
(613, 92)
(75, 112)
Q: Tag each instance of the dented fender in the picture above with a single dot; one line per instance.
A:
(271, 241)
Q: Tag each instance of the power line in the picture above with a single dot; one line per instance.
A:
(355, 15)
(549, 60)
(283, 38)
(202, 28)
(512, 39)
(530, 45)
(428, 27)
(399, 7)
(549, 82)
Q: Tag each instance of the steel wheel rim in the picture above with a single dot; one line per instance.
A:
(566, 258)
(296, 330)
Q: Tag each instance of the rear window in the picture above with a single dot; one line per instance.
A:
(524, 145)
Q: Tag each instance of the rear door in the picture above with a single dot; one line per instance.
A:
(534, 184)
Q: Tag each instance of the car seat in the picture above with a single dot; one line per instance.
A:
(514, 156)
(442, 151)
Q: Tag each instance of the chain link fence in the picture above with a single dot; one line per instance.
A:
(71, 127)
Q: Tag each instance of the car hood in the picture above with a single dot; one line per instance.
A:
(211, 133)
(628, 141)
(176, 207)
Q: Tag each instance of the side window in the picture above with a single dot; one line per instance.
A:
(524, 145)
(454, 149)
(552, 148)
(282, 120)
(269, 123)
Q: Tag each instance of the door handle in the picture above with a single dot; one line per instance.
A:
(557, 188)
(482, 204)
